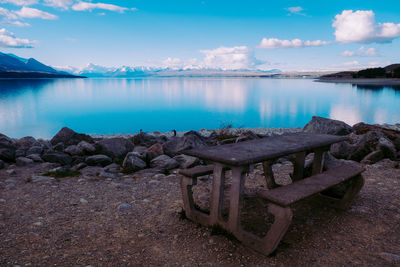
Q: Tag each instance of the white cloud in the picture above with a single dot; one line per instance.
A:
(20, 2)
(297, 10)
(362, 52)
(8, 39)
(274, 43)
(237, 57)
(87, 6)
(9, 18)
(27, 12)
(63, 4)
(360, 27)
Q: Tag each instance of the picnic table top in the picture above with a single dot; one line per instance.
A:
(259, 150)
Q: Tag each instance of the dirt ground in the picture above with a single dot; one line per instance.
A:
(78, 221)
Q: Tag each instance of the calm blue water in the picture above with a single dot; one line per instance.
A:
(104, 106)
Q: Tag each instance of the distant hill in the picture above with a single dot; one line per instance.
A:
(390, 71)
(12, 66)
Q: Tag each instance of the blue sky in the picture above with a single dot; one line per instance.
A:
(288, 35)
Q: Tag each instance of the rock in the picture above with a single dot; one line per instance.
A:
(40, 178)
(57, 157)
(78, 159)
(22, 161)
(35, 157)
(98, 160)
(164, 162)
(74, 150)
(20, 153)
(1, 164)
(7, 148)
(105, 174)
(327, 126)
(175, 145)
(124, 207)
(154, 151)
(367, 143)
(78, 166)
(113, 168)
(91, 171)
(373, 157)
(116, 148)
(11, 172)
(87, 148)
(133, 163)
(69, 137)
(342, 150)
(59, 147)
(147, 140)
(387, 147)
(140, 149)
(38, 224)
(186, 161)
(26, 142)
(148, 172)
(34, 150)
(83, 201)
(60, 171)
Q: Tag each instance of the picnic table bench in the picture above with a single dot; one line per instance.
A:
(239, 156)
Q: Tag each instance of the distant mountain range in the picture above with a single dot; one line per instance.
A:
(92, 70)
(12, 66)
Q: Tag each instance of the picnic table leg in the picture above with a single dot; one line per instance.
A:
(217, 194)
(236, 198)
(188, 203)
(318, 160)
(269, 174)
(298, 168)
(267, 244)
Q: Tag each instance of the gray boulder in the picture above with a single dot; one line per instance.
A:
(74, 150)
(86, 147)
(133, 162)
(57, 157)
(98, 160)
(178, 144)
(22, 161)
(35, 157)
(116, 148)
(147, 140)
(320, 125)
(387, 147)
(367, 143)
(164, 162)
(7, 148)
(113, 168)
(26, 142)
(342, 150)
(154, 151)
(69, 137)
(20, 153)
(373, 157)
(186, 161)
(36, 149)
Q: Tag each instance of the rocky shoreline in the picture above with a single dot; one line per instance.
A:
(152, 153)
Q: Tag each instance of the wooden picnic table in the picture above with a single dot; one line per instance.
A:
(239, 156)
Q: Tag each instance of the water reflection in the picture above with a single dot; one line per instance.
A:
(41, 107)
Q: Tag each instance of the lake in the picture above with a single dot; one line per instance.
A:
(41, 107)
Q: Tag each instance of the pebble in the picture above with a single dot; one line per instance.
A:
(11, 181)
(40, 178)
(38, 223)
(159, 176)
(154, 182)
(84, 201)
(2, 200)
(124, 206)
(11, 172)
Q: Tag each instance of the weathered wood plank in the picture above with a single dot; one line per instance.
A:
(197, 171)
(294, 192)
(253, 151)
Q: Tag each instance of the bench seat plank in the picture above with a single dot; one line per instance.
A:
(198, 171)
(287, 195)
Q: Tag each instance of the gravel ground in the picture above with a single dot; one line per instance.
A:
(88, 220)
